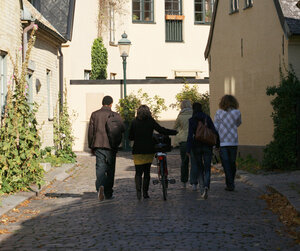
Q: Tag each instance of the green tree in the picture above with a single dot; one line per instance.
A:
(19, 138)
(128, 106)
(281, 153)
(99, 60)
(191, 93)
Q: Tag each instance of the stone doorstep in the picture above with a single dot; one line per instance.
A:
(8, 202)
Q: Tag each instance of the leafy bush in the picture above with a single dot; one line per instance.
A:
(249, 164)
(63, 135)
(281, 153)
(191, 93)
(99, 60)
(127, 106)
(19, 138)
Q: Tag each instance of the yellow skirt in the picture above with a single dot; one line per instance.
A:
(140, 159)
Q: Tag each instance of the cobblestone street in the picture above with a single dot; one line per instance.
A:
(68, 216)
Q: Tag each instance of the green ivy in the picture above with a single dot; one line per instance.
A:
(191, 93)
(127, 106)
(99, 60)
(63, 136)
(19, 139)
(281, 153)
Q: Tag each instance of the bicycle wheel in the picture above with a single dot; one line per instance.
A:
(163, 179)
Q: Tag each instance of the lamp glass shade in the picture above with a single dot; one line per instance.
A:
(124, 49)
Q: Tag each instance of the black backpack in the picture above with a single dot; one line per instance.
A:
(162, 143)
(114, 129)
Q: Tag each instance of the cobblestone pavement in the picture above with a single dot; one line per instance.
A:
(68, 216)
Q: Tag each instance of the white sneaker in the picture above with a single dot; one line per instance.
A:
(194, 187)
(205, 193)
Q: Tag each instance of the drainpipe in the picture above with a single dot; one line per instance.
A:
(25, 38)
(61, 80)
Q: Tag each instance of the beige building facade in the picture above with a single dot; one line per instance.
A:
(17, 21)
(155, 54)
(248, 42)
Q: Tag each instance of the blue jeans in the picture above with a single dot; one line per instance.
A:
(184, 162)
(228, 158)
(200, 165)
(105, 170)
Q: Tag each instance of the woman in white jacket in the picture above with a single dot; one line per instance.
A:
(227, 120)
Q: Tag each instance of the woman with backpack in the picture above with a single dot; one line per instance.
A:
(141, 132)
(227, 120)
(201, 153)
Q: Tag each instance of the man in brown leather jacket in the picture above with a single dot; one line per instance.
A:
(99, 143)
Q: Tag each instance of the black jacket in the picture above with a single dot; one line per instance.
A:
(141, 132)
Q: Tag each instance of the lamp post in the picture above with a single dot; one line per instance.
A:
(124, 47)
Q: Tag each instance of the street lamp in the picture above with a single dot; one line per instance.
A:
(124, 46)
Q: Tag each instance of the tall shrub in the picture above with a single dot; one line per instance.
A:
(281, 153)
(19, 138)
(63, 135)
(192, 93)
(99, 60)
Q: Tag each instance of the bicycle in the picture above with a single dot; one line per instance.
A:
(162, 169)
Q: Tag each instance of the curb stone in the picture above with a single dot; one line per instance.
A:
(8, 202)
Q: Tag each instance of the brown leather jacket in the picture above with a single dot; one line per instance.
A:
(97, 137)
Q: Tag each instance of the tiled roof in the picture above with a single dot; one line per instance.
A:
(291, 13)
(42, 20)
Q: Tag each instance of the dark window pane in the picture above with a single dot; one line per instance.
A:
(136, 15)
(147, 7)
(198, 7)
(198, 17)
(136, 6)
(147, 16)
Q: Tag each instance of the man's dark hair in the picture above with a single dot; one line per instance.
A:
(107, 100)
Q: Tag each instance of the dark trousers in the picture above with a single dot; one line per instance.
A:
(105, 170)
(184, 162)
(228, 158)
(139, 171)
(200, 165)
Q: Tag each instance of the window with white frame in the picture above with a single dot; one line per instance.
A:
(3, 81)
(234, 6)
(142, 11)
(112, 28)
(203, 11)
(248, 3)
(50, 106)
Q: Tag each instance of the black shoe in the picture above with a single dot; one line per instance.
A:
(146, 195)
(109, 197)
(229, 189)
(205, 193)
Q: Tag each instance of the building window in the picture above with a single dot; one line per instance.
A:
(234, 6)
(203, 11)
(50, 107)
(3, 81)
(29, 89)
(87, 74)
(248, 3)
(173, 7)
(142, 11)
(174, 20)
(112, 28)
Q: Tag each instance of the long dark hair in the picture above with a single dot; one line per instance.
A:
(197, 107)
(143, 112)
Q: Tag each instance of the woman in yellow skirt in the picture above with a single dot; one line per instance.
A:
(141, 132)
